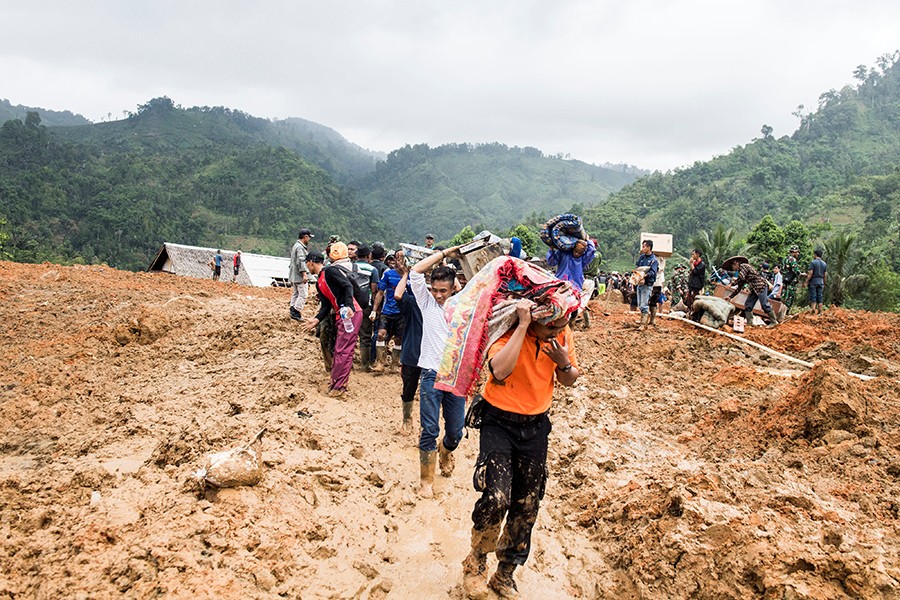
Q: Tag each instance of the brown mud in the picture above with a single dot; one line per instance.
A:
(682, 464)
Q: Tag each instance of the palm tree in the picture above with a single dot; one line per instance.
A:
(718, 246)
(838, 249)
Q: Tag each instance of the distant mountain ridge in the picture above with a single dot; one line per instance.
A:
(439, 190)
(164, 126)
(48, 117)
(115, 191)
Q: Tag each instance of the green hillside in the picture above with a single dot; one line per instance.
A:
(114, 192)
(163, 127)
(837, 173)
(440, 190)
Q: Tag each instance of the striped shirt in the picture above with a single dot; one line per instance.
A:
(435, 329)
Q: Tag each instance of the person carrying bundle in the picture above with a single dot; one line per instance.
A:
(516, 316)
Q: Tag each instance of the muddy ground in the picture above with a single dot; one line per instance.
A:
(683, 465)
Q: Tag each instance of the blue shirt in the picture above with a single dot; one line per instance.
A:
(818, 268)
(649, 260)
(388, 284)
(218, 258)
(569, 268)
(412, 329)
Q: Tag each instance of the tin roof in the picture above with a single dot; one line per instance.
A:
(258, 270)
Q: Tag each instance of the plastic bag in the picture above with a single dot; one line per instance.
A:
(239, 466)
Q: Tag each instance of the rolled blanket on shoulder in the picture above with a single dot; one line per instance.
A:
(562, 231)
(486, 309)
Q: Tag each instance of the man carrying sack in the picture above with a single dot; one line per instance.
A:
(529, 348)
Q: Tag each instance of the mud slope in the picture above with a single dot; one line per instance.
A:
(683, 465)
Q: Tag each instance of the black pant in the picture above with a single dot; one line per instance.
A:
(365, 336)
(689, 299)
(511, 474)
(410, 378)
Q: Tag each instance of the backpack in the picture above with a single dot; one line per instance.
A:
(360, 283)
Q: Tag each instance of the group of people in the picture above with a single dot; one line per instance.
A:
(779, 283)
(405, 308)
(216, 262)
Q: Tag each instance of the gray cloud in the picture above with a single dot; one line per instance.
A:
(653, 83)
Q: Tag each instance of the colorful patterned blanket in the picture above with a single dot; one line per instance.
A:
(486, 309)
(562, 231)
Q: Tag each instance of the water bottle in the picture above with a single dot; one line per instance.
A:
(346, 319)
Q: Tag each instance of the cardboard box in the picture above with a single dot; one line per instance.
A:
(662, 243)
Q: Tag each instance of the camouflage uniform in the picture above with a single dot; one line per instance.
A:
(790, 273)
(679, 284)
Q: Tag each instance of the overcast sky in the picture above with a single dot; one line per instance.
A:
(657, 84)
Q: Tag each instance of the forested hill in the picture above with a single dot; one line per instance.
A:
(826, 172)
(439, 190)
(48, 117)
(163, 174)
(161, 126)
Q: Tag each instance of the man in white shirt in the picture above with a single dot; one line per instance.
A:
(435, 331)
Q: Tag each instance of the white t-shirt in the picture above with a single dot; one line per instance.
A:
(435, 329)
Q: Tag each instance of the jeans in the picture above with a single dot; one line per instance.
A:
(752, 298)
(816, 291)
(431, 401)
(511, 474)
(643, 297)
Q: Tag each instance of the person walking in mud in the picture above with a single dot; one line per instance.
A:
(790, 273)
(215, 264)
(647, 262)
(337, 303)
(758, 292)
(432, 402)
(410, 372)
(511, 470)
(297, 272)
(236, 262)
(815, 281)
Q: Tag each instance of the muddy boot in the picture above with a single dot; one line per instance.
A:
(427, 461)
(503, 583)
(773, 318)
(447, 462)
(748, 314)
(407, 427)
(587, 319)
(652, 321)
(379, 352)
(475, 582)
(395, 359)
(645, 318)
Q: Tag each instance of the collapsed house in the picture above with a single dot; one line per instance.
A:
(258, 270)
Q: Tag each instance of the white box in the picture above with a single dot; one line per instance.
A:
(662, 243)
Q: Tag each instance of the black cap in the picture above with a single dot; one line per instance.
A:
(306, 231)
